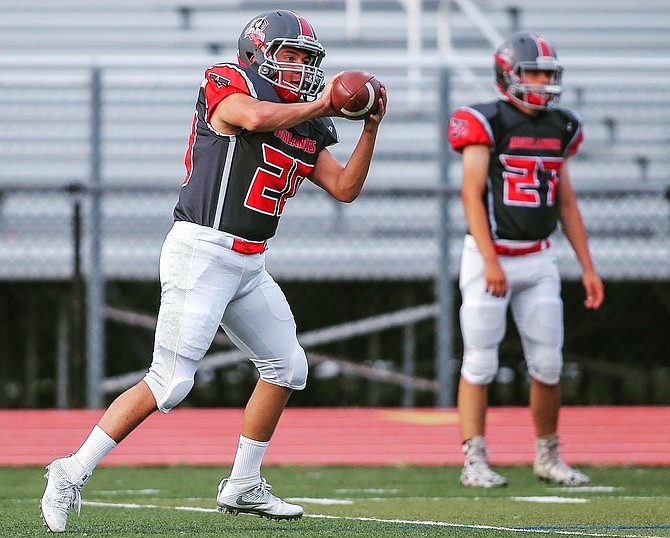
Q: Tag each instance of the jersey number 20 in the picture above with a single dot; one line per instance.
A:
(273, 185)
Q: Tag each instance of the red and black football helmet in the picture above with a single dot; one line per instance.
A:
(523, 52)
(265, 35)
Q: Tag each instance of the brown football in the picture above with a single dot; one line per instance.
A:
(356, 94)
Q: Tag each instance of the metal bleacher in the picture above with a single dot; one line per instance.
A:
(151, 55)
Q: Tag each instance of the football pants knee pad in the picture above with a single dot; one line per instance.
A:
(544, 363)
(483, 326)
(542, 337)
(286, 372)
(480, 366)
(170, 380)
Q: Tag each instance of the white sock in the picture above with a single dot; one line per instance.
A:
(246, 469)
(97, 446)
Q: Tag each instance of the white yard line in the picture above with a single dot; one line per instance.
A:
(484, 527)
(381, 520)
(550, 499)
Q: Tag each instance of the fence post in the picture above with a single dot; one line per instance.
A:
(62, 351)
(76, 370)
(95, 290)
(409, 354)
(444, 366)
(408, 362)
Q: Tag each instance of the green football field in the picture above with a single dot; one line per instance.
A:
(345, 502)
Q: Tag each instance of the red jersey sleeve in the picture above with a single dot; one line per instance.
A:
(573, 146)
(468, 127)
(221, 81)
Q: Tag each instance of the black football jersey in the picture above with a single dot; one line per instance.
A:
(239, 184)
(526, 157)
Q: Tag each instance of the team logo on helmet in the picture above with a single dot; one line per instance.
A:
(257, 29)
(506, 53)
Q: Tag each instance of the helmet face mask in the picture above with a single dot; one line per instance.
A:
(260, 47)
(514, 59)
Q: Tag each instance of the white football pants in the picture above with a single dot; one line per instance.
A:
(533, 295)
(204, 284)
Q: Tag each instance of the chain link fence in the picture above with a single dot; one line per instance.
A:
(90, 164)
(353, 263)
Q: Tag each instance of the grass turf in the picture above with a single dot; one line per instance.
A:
(351, 501)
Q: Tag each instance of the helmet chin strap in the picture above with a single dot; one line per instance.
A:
(284, 90)
(287, 96)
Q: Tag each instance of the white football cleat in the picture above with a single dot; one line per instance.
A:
(256, 500)
(65, 478)
(476, 472)
(549, 466)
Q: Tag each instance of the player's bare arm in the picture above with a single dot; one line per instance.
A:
(241, 111)
(344, 183)
(574, 229)
(475, 170)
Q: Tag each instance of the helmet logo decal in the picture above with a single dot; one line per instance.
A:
(506, 54)
(257, 29)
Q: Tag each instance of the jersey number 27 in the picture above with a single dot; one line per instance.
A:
(522, 179)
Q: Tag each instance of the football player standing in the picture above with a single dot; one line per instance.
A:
(515, 189)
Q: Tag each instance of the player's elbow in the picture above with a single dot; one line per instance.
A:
(345, 197)
(256, 121)
(347, 194)
(259, 116)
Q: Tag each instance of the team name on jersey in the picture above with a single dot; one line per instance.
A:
(296, 141)
(528, 142)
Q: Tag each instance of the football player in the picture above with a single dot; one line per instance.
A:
(515, 189)
(259, 129)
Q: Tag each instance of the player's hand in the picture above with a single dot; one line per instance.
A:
(595, 290)
(495, 279)
(324, 98)
(375, 119)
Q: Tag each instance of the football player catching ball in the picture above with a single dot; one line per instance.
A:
(259, 129)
